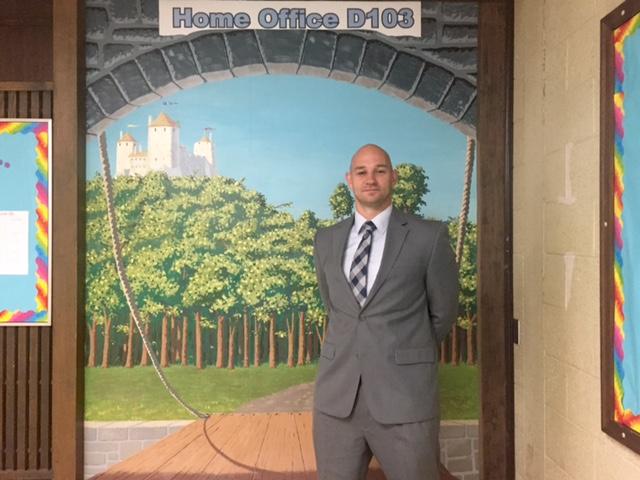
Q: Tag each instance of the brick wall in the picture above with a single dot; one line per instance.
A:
(108, 443)
(556, 264)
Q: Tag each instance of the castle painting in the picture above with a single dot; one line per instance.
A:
(164, 152)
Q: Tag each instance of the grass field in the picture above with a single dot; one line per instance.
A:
(136, 394)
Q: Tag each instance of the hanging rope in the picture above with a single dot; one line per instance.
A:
(124, 278)
(466, 194)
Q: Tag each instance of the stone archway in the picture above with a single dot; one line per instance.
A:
(130, 65)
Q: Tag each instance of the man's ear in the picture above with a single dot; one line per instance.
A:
(394, 178)
(347, 177)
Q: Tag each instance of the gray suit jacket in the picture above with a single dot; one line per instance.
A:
(391, 343)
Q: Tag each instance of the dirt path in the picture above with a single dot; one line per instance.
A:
(298, 398)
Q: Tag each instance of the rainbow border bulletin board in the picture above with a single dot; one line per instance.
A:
(25, 223)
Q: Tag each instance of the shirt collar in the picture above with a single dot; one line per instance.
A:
(381, 221)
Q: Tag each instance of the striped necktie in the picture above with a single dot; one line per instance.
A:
(358, 272)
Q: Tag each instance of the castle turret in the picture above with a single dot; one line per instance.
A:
(205, 148)
(124, 148)
(163, 141)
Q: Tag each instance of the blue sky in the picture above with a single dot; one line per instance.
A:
(291, 137)
(18, 192)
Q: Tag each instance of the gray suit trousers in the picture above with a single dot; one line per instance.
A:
(344, 446)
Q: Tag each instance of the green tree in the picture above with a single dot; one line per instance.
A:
(411, 188)
(341, 202)
(467, 277)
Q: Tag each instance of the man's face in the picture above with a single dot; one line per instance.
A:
(372, 178)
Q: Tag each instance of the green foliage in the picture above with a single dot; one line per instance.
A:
(467, 272)
(341, 202)
(221, 390)
(459, 392)
(195, 244)
(212, 390)
(412, 186)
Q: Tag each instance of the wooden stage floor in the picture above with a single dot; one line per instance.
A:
(256, 446)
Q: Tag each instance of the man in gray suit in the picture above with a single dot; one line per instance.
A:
(389, 283)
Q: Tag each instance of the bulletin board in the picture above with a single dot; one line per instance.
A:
(25, 223)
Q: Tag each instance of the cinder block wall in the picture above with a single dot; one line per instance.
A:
(556, 276)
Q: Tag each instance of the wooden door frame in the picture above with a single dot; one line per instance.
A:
(68, 252)
(495, 292)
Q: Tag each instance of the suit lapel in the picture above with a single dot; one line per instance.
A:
(396, 234)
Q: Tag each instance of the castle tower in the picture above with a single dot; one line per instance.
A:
(164, 143)
(124, 148)
(205, 148)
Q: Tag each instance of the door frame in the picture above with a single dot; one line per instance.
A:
(495, 211)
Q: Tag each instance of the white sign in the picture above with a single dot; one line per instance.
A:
(14, 243)
(391, 18)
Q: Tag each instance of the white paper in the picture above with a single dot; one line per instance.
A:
(14, 242)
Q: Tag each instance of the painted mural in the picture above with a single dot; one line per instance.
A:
(224, 166)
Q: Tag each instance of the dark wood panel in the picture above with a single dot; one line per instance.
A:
(23, 104)
(12, 104)
(33, 427)
(45, 439)
(26, 475)
(25, 363)
(10, 400)
(35, 105)
(28, 55)
(26, 69)
(68, 246)
(495, 290)
(35, 87)
(22, 379)
(29, 12)
(25, 35)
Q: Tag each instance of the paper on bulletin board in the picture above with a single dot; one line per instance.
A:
(14, 243)
(25, 155)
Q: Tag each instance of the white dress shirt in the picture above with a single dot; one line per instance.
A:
(381, 222)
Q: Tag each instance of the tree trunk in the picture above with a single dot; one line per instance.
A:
(245, 339)
(164, 357)
(129, 362)
(106, 342)
(144, 356)
(93, 334)
(232, 345)
(443, 351)
(454, 345)
(184, 350)
(291, 340)
(173, 344)
(220, 355)
(316, 342)
(272, 341)
(301, 339)
(309, 346)
(212, 341)
(257, 346)
(198, 341)
(471, 358)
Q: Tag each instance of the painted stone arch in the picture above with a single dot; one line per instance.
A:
(130, 65)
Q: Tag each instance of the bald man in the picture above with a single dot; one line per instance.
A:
(389, 283)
